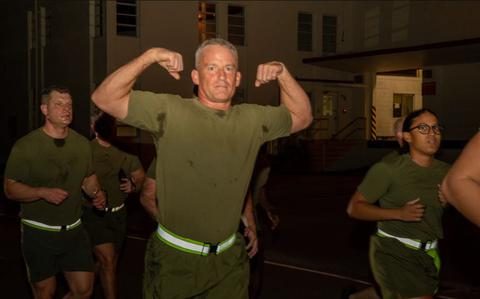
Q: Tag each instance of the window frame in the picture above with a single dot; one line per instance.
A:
(231, 35)
(300, 33)
(326, 34)
(124, 25)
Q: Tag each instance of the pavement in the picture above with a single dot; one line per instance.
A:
(317, 252)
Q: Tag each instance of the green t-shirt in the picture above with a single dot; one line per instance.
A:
(395, 181)
(107, 162)
(39, 160)
(205, 158)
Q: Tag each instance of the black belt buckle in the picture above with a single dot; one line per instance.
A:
(423, 245)
(212, 248)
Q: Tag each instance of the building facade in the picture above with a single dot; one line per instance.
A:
(363, 63)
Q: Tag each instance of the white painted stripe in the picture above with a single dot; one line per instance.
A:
(136, 238)
(317, 272)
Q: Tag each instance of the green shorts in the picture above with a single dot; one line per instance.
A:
(400, 270)
(109, 228)
(47, 253)
(171, 273)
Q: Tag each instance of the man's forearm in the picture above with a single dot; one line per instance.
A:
(248, 212)
(113, 94)
(137, 177)
(20, 192)
(91, 186)
(148, 198)
(296, 100)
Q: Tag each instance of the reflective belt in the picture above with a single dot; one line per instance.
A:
(52, 228)
(115, 209)
(192, 246)
(415, 244)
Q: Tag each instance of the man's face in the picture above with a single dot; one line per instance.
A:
(58, 110)
(216, 75)
(428, 143)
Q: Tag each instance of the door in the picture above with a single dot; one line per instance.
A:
(330, 111)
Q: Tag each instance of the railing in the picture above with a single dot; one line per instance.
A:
(350, 127)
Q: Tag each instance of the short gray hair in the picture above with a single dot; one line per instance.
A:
(213, 42)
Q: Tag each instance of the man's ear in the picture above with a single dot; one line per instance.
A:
(43, 108)
(238, 78)
(194, 75)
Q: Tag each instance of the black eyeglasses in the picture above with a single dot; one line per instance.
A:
(426, 129)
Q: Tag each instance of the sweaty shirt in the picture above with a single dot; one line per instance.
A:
(205, 158)
(39, 160)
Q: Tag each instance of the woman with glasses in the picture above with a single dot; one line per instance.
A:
(402, 195)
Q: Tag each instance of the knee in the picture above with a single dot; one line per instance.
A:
(107, 261)
(83, 291)
(108, 264)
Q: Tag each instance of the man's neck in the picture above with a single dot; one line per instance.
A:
(214, 105)
(55, 131)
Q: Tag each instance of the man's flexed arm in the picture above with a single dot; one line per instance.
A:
(112, 95)
(292, 94)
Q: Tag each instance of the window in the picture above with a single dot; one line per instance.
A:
(329, 36)
(329, 103)
(207, 21)
(402, 104)
(400, 20)
(304, 32)
(371, 27)
(236, 25)
(127, 12)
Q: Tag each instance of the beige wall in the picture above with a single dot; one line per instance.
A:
(271, 33)
(391, 24)
(385, 87)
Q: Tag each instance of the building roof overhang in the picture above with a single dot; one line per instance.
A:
(404, 58)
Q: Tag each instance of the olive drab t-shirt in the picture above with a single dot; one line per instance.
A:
(205, 158)
(39, 160)
(107, 162)
(395, 181)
